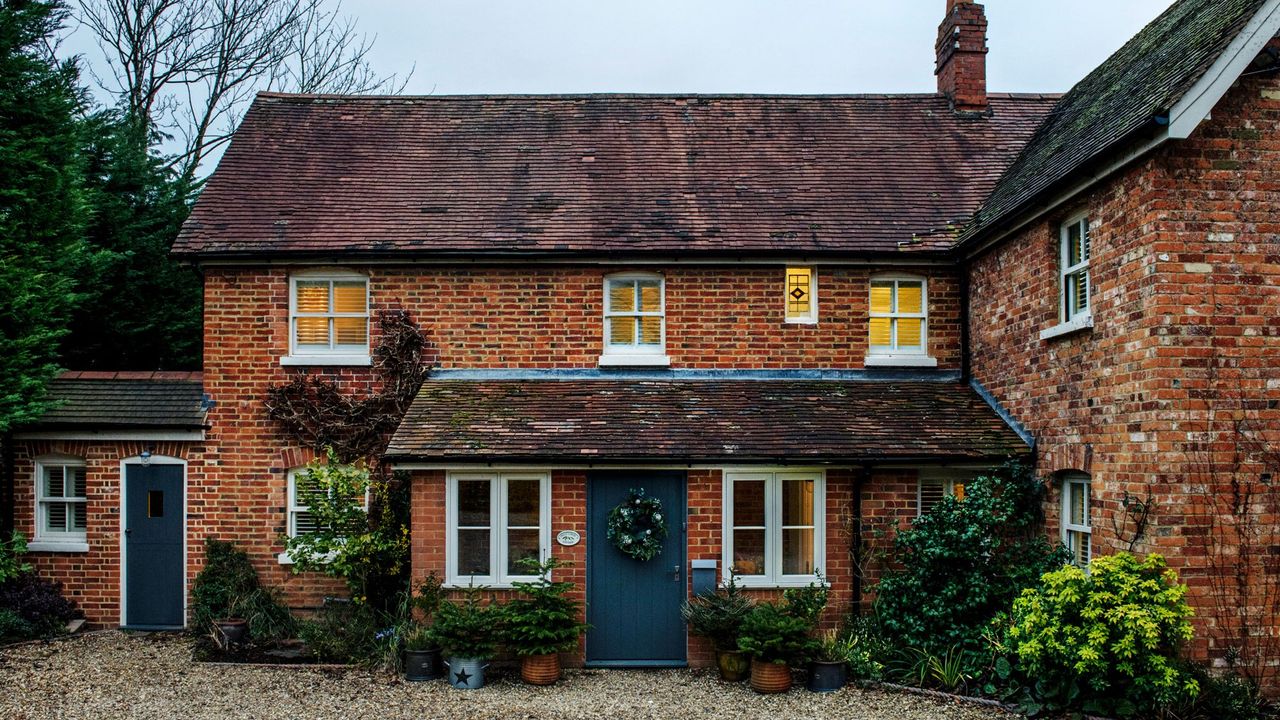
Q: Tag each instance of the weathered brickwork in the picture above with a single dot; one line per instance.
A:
(1186, 306)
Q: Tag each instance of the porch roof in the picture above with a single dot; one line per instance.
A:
(125, 400)
(592, 421)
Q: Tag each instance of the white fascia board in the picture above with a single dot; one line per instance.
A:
(1194, 107)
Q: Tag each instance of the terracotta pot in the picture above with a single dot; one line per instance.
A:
(540, 669)
(769, 678)
(733, 665)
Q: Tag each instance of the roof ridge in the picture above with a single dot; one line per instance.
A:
(484, 97)
(139, 375)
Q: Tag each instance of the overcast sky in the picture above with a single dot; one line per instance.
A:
(730, 46)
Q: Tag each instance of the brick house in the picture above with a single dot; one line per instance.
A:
(778, 314)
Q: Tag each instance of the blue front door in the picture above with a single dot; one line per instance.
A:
(633, 606)
(154, 564)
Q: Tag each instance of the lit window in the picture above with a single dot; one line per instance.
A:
(329, 316)
(774, 533)
(495, 521)
(899, 316)
(61, 502)
(1075, 269)
(933, 487)
(1077, 529)
(634, 320)
(801, 295)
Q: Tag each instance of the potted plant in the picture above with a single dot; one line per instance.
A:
(421, 652)
(828, 671)
(718, 616)
(464, 632)
(780, 636)
(542, 622)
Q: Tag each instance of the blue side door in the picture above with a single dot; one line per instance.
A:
(633, 606)
(154, 563)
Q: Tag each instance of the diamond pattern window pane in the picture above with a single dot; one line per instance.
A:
(799, 292)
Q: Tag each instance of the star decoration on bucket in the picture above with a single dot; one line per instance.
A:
(463, 677)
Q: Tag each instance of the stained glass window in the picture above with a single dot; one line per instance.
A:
(801, 295)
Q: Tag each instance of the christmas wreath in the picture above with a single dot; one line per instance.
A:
(637, 527)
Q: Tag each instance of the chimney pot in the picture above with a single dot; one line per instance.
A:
(962, 56)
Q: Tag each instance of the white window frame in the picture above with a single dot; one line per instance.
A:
(1066, 271)
(1072, 532)
(43, 539)
(498, 576)
(293, 507)
(334, 354)
(773, 479)
(635, 354)
(948, 478)
(810, 317)
(895, 356)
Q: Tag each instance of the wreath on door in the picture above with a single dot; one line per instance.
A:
(637, 526)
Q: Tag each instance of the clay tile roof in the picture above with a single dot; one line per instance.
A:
(574, 175)
(721, 420)
(120, 400)
(1123, 96)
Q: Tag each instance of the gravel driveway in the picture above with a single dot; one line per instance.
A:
(113, 675)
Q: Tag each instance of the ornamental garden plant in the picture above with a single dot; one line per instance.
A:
(541, 622)
(718, 616)
(779, 636)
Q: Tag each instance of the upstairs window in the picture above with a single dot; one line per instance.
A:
(899, 320)
(634, 320)
(1074, 262)
(329, 318)
(61, 502)
(1077, 527)
(801, 295)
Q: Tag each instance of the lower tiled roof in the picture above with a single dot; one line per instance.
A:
(705, 420)
(116, 400)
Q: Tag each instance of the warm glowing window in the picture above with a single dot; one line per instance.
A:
(801, 295)
(1074, 262)
(330, 315)
(774, 526)
(899, 316)
(1077, 528)
(634, 315)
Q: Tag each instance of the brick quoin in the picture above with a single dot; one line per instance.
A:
(1186, 308)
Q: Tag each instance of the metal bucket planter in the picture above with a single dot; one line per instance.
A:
(422, 664)
(827, 676)
(466, 673)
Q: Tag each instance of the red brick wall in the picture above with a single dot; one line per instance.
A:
(888, 497)
(1187, 331)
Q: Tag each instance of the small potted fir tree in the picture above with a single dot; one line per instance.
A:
(718, 616)
(779, 636)
(464, 632)
(542, 622)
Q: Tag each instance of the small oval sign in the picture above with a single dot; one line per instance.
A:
(568, 538)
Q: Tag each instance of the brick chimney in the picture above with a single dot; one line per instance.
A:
(962, 56)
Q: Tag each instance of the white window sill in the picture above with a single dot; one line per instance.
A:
(634, 360)
(916, 361)
(284, 559)
(459, 584)
(59, 546)
(759, 583)
(1080, 324)
(802, 321)
(327, 360)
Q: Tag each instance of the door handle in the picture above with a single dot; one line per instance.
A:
(128, 531)
(675, 573)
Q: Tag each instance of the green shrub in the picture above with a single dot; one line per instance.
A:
(1226, 697)
(1107, 641)
(783, 634)
(544, 619)
(869, 650)
(228, 587)
(11, 552)
(465, 629)
(369, 549)
(39, 604)
(13, 627)
(344, 632)
(963, 563)
(718, 615)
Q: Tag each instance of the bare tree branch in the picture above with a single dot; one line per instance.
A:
(191, 67)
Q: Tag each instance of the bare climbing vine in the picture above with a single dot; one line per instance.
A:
(319, 414)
